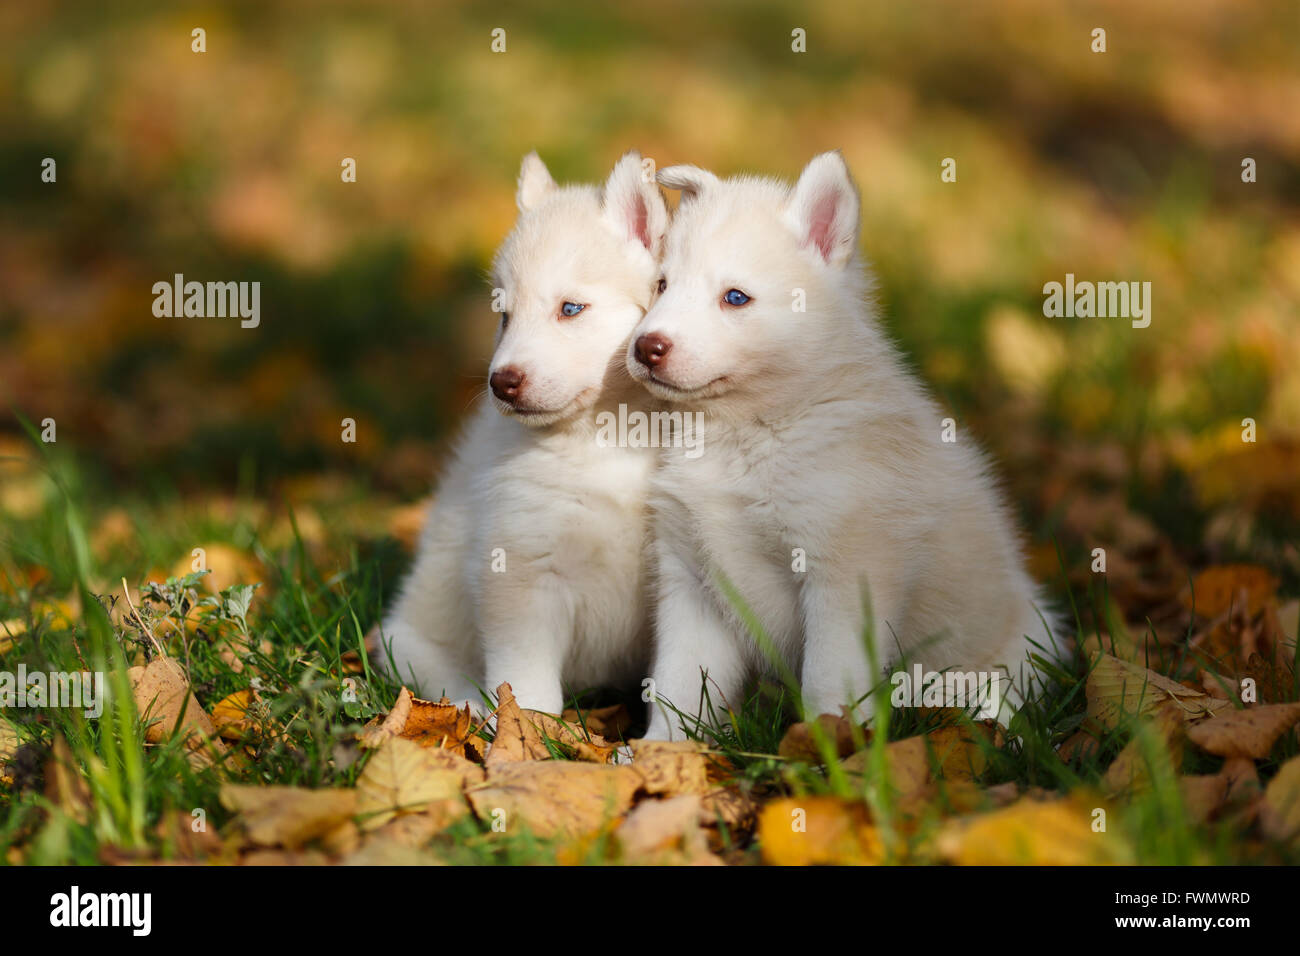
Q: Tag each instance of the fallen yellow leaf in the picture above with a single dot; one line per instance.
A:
(550, 797)
(1032, 833)
(402, 777)
(1116, 689)
(807, 831)
(1280, 812)
(230, 716)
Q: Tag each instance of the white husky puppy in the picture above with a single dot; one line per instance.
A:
(531, 565)
(824, 467)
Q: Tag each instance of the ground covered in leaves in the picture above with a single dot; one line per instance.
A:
(1153, 470)
(244, 724)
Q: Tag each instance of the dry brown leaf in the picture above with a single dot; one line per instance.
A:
(1032, 833)
(516, 739)
(1273, 681)
(1217, 685)
(1242, 778)
(1003, 794)
(950, 754)
(1131, 771)
(342, 840)
(555, 796)
(1122, 645)
(392, 849)
(9, 744)
(276, 857)
(727, 806)
(523, 735)
(183, 840)
(374, 736)
(685, 767)
(466, 771)
(1242, 642)
(10, 630)
(1203, 795)
(1221, 587)
(955, 751)
(163, 698)
(288, 816)
(1245, 733)
(414, 830)
(672, 768)
(800, 742)
(1287, 620)
(665, 832)
(439, 724)
(807, 831)
(609, 722)
(1080, 745)
(1280, 810)
(1117, 689)
(403, 777)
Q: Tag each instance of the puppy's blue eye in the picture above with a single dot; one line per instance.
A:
(735, 297)
(570, 309)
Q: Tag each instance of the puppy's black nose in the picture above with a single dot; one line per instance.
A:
(651, 349)
(507, 383)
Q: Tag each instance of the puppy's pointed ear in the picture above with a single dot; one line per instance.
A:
(633, 203)
(824, 211)
(691, 180)
(534, 182)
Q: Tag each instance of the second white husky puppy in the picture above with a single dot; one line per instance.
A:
(824, 468)
(530, 567)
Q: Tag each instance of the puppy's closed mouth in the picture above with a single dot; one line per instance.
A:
(527, 413)
(677, 393)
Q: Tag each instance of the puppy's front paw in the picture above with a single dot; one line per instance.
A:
(660, 728)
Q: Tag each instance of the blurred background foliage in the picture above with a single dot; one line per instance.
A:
(225, 166)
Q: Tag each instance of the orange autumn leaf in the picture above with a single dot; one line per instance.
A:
(810, 831)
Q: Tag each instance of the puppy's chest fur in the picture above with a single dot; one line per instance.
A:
(735, 512)
(570, 508)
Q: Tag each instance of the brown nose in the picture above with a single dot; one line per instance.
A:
(506, 383)
(651, 349)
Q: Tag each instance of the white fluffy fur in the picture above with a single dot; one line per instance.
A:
(570, 610)
(816, 438)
